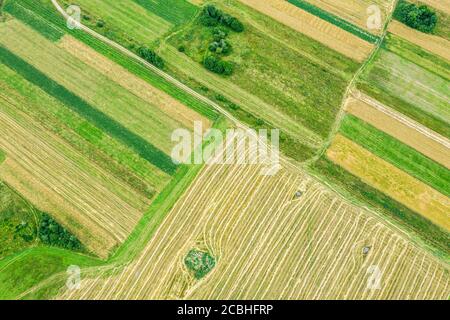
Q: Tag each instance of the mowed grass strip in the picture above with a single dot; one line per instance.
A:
(334, 19)
(145, 149)
(397, 153)
(33, 20)
(387, 178)
(176, 12)
(2, 156)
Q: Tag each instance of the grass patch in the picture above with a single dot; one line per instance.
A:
(2, 156)
(142, 147)
(419, 227)
(33, 20)
(397, 153)
(200, 263)
(337, 21)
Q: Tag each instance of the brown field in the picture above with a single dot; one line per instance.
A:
(441, 5)
(407, 134)
(96, 207)
(314, 27)
(390, 180)
(354, 11)
(432, 43)
(270, 245)
(129, 81)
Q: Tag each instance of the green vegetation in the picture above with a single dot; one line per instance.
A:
(419, 17)
(150, 56)
(23, 226)
(18, 222)
(34, 21)
(331, 18)
(2, 156)
(417, 55)
(176, 12)
(433, 236)
(53, 234)
(214, 64)
(146, 150)
(199, 262)
(409, 88)
(211, 16)
(397, 153)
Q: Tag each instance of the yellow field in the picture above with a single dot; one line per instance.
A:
(270, 245)
(432, 43)
(408, 134)
(314, 27)
(96, 207)
(390, 180)
(354, 11)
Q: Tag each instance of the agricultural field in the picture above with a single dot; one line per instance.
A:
(356, 12)
(409, 88)
(404, 130)
(314, 27)
(387, 178)
(292, 245)
(359, 208)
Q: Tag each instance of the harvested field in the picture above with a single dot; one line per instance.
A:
(135, 85)
(432, 43)
(97, 208)
(269, 244)
(314, 27)
(387, 178)
(404, 131)
(354, 11)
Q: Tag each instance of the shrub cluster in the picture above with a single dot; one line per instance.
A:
(216, 65)
(199, 262)
(220, 45)
(211, 17)
(150, 56)
(419, 17)
(53, 234)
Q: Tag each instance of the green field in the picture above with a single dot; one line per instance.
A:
(397, 153)
(2, 156)
(341, 23)
(409, 88)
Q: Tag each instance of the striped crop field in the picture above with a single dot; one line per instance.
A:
(387, 178)
(269, 243)
(314, 27)
(96, 207)
(356, 12)
(409, 132)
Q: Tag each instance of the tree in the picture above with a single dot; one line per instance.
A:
(420, 17)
